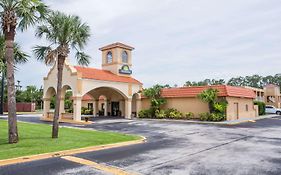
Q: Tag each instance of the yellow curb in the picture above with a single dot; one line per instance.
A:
(68, 121)
(105, 168)
(68, 152)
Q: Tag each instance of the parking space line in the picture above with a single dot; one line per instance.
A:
(105, 168)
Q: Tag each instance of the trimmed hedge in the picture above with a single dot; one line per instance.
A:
(261, 107)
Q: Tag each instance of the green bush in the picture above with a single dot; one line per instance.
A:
(261, 107)
(160, 114)
(146, 113)
(172, 113)
(83, 109)
(217, 117)
(88, 112)
(204, 116)
(189, 116)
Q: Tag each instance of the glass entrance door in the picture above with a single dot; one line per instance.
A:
(115, 108)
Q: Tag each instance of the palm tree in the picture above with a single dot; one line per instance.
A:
(62, 31)
(17, 14)
(20, 58)
(209, 96)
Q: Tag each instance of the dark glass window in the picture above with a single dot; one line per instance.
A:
(109, 57)
(124, 57)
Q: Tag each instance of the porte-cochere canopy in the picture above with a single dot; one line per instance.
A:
(117, 89)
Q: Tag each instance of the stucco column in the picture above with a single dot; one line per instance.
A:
(77, 108)
(128, 109)
(62, 110)
(96, 107)
(122, 107)
(46, 107)
(105, 107)
(138, 107)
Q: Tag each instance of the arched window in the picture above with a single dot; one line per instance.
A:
(109, 57)
(124, 57)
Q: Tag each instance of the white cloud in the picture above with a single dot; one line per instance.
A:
(177, 40)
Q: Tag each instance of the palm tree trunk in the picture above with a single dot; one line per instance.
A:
(2, 93)
(12, 116)
(60, 64)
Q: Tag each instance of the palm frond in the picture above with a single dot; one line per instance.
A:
(82, 58)
(30, 12)
(20, 56)
(45, 54)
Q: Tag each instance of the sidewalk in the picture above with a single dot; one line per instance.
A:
(232, 122)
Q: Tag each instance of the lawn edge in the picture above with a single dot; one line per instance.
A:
(35, 157)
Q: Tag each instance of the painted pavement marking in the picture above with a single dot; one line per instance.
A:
(105, 168)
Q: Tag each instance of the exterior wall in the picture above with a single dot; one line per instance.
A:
(184, 105)
(242, 112)
(273, 96)
(259, 93)
(196, 106)
(116, 60)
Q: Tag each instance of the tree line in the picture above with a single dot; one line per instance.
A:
(256, 81)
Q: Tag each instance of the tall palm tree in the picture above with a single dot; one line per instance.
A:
(17, 14)
(20, 58)
(62, 31)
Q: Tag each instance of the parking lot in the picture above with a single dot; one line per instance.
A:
(176, 148)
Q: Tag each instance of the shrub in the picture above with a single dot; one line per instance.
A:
(173, 114)
(220, 107)
(146, 113)
(261, 107)
(88, 112)
(204, 116)
(189, 116)
(217, 117)
(83, 109)
(160, 114)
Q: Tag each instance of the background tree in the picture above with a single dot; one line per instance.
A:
(22, 14)
(63, 31)
(20, 58)
(209, 96)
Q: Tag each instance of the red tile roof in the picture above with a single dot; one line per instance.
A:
(104, 75)
(224, 91)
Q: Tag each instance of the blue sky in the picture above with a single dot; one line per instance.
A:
(175, 40)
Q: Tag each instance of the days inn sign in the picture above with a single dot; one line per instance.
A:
(125, 69)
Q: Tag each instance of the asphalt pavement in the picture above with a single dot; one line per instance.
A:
(174, 148)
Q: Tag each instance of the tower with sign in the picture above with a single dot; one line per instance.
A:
(117, 58)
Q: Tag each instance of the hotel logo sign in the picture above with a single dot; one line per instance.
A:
(125, 69)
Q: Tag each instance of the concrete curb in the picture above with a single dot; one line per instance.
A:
(216, 123)
(68, 121)
(25, 159)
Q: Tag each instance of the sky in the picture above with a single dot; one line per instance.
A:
(175, 40)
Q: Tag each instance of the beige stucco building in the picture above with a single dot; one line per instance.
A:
(270, 95)
(184, 99)
(112, 91)
(114, 83)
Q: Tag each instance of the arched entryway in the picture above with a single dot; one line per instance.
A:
(108, 101)
(49, 102)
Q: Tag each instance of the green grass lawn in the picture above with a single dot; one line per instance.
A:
(36, 139)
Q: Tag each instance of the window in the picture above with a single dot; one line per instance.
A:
(247, 108)
(109, 57)
(124, 57)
